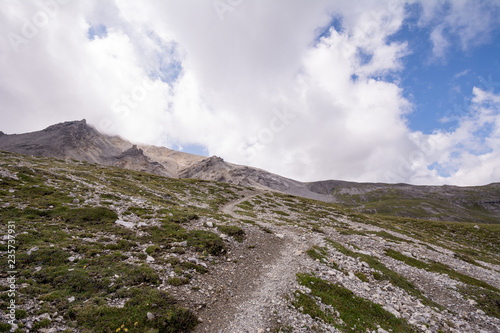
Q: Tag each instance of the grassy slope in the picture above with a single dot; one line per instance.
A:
(80, 259)
(467, 204)
(67, 209)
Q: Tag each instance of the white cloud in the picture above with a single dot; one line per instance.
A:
(255, 87)
(468, 155)
(469, 21)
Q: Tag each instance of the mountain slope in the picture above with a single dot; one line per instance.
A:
(105, 249)
(80, 141)
(478, 204)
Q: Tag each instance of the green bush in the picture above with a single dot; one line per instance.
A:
(43, 257)
(168, 316)
(234, 231)
(143, 274)
(202, 240)
(87, 215)
(153, 249)
(177, 281)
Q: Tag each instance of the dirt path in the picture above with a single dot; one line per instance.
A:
(254, 288)
(256, 312)
(231, 208)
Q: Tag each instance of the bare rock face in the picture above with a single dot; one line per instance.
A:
(212, 168)
(80, 141)
(74, 139)
(134, 159)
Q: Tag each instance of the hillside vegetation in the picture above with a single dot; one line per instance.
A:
(104, 249)
(478, 204)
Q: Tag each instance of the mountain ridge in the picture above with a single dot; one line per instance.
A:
(81, 141)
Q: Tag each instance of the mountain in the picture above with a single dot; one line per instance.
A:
(95, 248)
(79, 141)
(479, 204)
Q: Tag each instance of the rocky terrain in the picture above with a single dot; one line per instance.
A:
(80, 141)
(99, 248)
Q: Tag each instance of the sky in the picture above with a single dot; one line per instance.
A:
(367, 91)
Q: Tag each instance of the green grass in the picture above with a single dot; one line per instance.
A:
(357, 314)
(153, 250)
(384, 273)
(422, 203)
(168, 316)
(202, 241)
(279, 212)
(245, 213)
(245, 205)
(177, 281)
(181, 216)
(362, 276)
(487, 296)
(478, 244)
(487, 300)
(139, 211)
(56, 226)
(86, 216)
(234, 231)
(388, 236)
(4, 327)
(317, 253)
(347, 231)
(440, 268)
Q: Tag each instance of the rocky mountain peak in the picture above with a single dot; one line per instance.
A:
(78, 124)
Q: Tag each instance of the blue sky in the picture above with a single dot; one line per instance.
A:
(441, 87)
(368, 90)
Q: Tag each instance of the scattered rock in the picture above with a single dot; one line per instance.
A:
(193, 260)
(43, 316)
(150, 316)
(33, 249)
(48, 330)
(125, 224)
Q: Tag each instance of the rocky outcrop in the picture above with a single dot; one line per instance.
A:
(134, 159)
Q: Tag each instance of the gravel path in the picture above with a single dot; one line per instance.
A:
(255, 290)
(259, 294)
